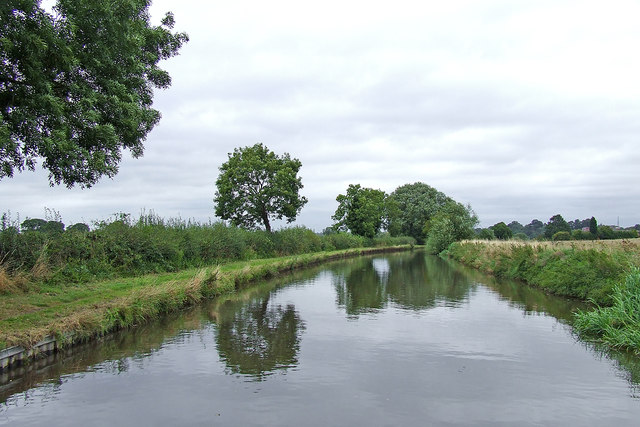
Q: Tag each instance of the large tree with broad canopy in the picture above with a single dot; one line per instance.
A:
(76, 85)
(256, 186)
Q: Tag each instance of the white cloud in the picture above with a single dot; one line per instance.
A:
(523, 109)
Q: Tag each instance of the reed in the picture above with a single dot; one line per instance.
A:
(617, 325)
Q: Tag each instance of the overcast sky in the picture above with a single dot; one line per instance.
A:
(523, 109)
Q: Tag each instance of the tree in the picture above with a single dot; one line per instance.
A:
(76, 86)
(452, 223)
(79, 227)
(593, 226)
(255, 186)
(41, 225)
(362, 211)
(502, 231)
(416, 204)
(534, 229)
(486, 234)
(561, 235)
(516, 227)
(556, 223)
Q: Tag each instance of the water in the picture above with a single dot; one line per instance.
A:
(404, 339)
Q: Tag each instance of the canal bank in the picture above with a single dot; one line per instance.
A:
(388, 339)
(604, 273)
(33, 325)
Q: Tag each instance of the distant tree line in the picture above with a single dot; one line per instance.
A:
(557, 228)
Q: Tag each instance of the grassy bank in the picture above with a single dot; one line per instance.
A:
(77, 312)
(617, 325)
(603, 272)
(587, 270)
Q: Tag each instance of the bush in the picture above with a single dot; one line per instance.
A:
(561, 235)
(486, 234)
(44, 251)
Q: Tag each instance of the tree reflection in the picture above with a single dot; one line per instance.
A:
(417, 282)
(256, 338)
(360, 288)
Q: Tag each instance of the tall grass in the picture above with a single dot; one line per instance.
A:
(585, 270)
(618, 325)
(123, 247)
(606, 273)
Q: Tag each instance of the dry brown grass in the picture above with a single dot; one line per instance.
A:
(631, 247)
(626, 245)
(12, 283)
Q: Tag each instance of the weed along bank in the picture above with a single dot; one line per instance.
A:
(36, 323)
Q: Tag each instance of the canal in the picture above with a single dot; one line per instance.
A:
(398, 339)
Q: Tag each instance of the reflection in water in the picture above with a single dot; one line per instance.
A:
(412, 282)
(439, 341)
(255, 338)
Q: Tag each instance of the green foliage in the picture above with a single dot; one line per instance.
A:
(79, 227)
(516, 227)
(361, 211)
(561, 235)
(452, 223)
(296, 240)
(255, 186)
(605, 232)
(556, 224)
(342, 240)
(486, 234)
(593, 226)
(502, 231)
(77, 88)
(120, 247)
(414, 205)
(534, 229)
(581, 235)
(577, 273)
(33, 224)
(520, 236)
(619, 324)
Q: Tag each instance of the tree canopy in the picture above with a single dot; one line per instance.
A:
(502, 231)
(556, 224)
(361, 210)
(76, 86)
(415, 203)
(453, 222)
(255, 186)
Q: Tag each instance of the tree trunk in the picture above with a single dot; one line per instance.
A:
(265, 220)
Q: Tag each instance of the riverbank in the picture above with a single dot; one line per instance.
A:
(79, 312)
(584, 270)
(603, 272)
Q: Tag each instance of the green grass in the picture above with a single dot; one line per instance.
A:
(617, 325)
(75, 312)
(587, 271)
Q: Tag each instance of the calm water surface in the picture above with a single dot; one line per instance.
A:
(404, 339)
